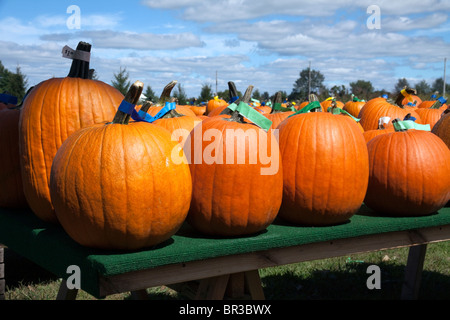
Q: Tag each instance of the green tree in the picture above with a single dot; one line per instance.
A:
(401, 83)
(362, 89)
(150, 95)
(180, 94)
(423, 87)
(206, 93)
(256, 95)
(121, 81)
(13, 83)
(438, 85)
(309, 79)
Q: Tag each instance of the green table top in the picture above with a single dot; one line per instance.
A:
(50, 247)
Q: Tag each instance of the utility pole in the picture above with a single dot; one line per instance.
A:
(445, 65)
(216, 82)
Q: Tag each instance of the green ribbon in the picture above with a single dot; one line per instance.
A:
(409, 124)
(251, 114)
(355, 98)
(310, 106)
(342, 111)
(278, 107)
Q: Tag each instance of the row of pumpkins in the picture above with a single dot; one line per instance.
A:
(75, 158)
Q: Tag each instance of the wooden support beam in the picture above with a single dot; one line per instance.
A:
(413, 272)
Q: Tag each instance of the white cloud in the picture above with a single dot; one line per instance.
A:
(130, 40)
(403, 23)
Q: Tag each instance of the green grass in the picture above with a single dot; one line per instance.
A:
(342, 278)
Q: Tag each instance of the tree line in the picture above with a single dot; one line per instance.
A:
(309, 81)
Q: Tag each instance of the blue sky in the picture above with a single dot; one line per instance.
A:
(262, 43)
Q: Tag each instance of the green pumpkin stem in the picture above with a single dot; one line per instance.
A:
(133, 95)
(80, 68)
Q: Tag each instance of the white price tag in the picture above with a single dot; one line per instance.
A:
(69, 53)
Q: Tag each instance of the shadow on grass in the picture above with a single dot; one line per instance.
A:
(350, 283)
(21, 271)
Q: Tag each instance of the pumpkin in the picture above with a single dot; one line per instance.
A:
(53, 110)
(215, 104)
(11, 187)
(277, 116)
(383, 128)
(331, 102)
(227, 174)
(116, 185)
(325, 169)
(354, 106)
(179, 125)
(430, 115)
(198, 110)
(409, 173)
(416, 101)
(442, 127)
(376, 108)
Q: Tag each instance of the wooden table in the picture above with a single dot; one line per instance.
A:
(219, 266)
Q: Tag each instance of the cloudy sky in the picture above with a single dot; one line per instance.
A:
(262, 43)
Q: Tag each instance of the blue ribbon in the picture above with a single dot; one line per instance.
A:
(442, 100)
(385, 96)
(129, 108)
(8, 99)
(233, 99)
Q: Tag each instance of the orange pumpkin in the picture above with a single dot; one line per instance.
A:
(326, 169)
(11, 186)
(178, 125)
(331, 102)
(442, 127)
(409, 173)
(198, 110)
(227, 173)
(53, 110)
(116, 185)
(382, 129)
(376, 108)
(214, 104)
(432, 114)
(354, 106)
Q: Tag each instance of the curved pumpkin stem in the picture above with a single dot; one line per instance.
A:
(165, 96)
(277, 99)
(80, 68)
(232, 89)
(132, 96)
(400, 96)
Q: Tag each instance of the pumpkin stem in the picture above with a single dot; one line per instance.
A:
(400, 96)
(132, 96)
(246, 98)
(232, 90)
(277, 100)
(80, 68)
(165, 95)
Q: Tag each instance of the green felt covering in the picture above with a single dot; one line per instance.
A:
(50, 247)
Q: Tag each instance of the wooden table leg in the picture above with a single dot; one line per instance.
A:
(413, 272)
(65, 293)
(253, 284)
(212, 288)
